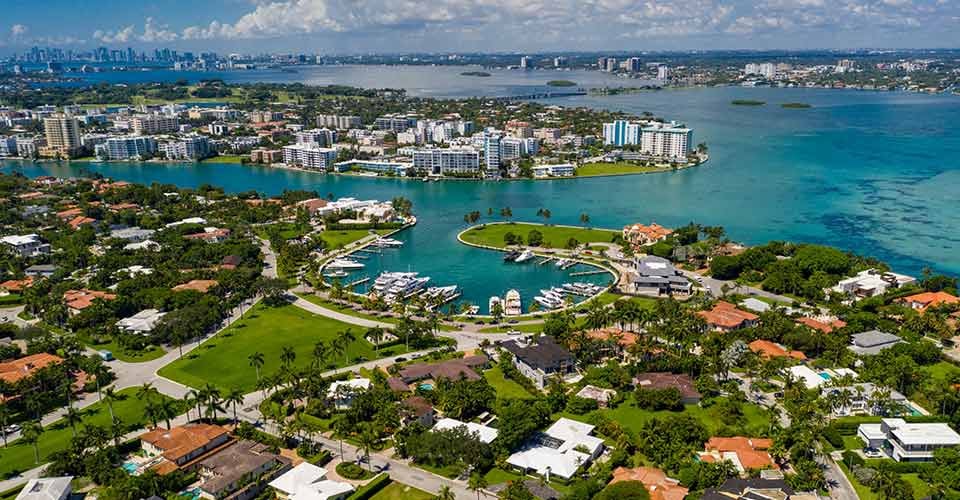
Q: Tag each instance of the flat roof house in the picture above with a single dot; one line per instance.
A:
(871, 282)
(46, 488)
(484, 434)
(141, 323)
(556, 451)
(872, 342)
(26, 246)
(657, 276)
(908, 442)
(242, 469)
(540, 360)
(309, 482)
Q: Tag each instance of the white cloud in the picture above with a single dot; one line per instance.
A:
(18, 31)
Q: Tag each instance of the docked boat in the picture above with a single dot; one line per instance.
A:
(387, 243)
(445, 293)
(493, 302)
(511, 255)
(386, 280)
(524, 256)
(472, 310)
(548, 302)
(561, 262)
(405, 287)
(336, 274)
(513, 306)
(344, 264)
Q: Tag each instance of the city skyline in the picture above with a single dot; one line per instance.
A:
(339, 26)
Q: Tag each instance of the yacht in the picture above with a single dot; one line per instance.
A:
(472, 310)
(405, 287)
(552, 294)
(382, 284)
(511, 255)
(387, 242)
(336, 274)
(493, 302)
(560, 263)
(548, 302)
(445, 293)
(524, 256)
(513, 306)
(344, 264)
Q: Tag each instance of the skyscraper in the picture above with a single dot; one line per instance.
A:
(63, 135)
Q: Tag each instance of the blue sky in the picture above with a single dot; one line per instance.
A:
(356, 26)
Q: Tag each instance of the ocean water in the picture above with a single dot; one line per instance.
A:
(874, 173)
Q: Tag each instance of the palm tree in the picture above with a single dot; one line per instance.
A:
(376, 334)
(585, 219)
(193, 399)
(256, 362)
(320, 354)
(368, 439)
(4, 415)
(345, 338)
(73, 418)
(234, 398)
(146, 391)
(110, 396)
(476, 483)
(447, 494)
(211, 396)
(287, 356)
(31, 435)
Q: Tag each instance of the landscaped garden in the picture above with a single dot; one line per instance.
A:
(553, 236)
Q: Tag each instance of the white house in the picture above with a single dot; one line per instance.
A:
(27, 245)
(908, 442)
(342, 392)
(141, 323)
(484, 434)
(309, 482)
(559, 451)
(871, 282)
(46, 488)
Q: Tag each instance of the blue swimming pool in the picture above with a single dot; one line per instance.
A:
(130, 467)
(426, 386)
(825, 375)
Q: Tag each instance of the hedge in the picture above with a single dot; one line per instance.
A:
(900, 467)
(847, 426)
(372, 488)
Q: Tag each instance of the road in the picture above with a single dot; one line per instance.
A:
(9, 315)
(715, 287)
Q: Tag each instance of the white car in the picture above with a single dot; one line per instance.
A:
(12, 428)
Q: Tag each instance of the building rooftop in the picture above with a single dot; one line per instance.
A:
(745, 453)
(82, 299)
(664, 380)
(142, 322)
(658, 484)
(15, 370)
(872, 342)
(179, 442)
(234, 462)
(725, 315)
(309, 482)
(46, 488)
(545, 354)
(484, 433)
(922, 433)
(202, 286)
(769, 349)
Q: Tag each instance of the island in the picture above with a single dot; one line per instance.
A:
(795, 105)
(747, 102)
(475, 73)
(561, 83)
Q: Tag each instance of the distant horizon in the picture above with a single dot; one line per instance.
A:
(352, 27)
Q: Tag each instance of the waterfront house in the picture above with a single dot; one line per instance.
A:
(184, 443)
(726, 317)
(923, 301)
(658, 276)
(659, 486)
(662, 380)
(241, 469)
(484, 433)
(860, 400)
(908, 442)
(309, 482)
(870, 283)
(47, 488)
(872, 342)
(744, 453)
(639, 235)
(560, 451)
(767, 350)
(540, 359)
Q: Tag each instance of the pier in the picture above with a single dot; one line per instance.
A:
(590, 273)
(358, 282)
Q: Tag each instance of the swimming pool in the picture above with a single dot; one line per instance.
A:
(426, 386)
(825, 375)
(130, 467)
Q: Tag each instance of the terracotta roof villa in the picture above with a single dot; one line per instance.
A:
(745, 453)
(923, 301)
(15, 370)
(78, 300)
(664, 380)
(821, 326)
(639, 234)
(658, 484)
(769, 349)
(182, 444)
(725, 317)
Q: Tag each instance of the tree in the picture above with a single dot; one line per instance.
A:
(4, 415)
(345, 338)
(585, 219)
(110, 396)
(535, 238)
(287, 356)
(624, 490)
(368, 438)
(516, 490)
(234, 398)
(477, 483)
(445, 493)
(256, 361)
(31, 435)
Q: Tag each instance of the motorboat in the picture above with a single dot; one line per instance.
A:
(560, 263)
(405, 287)
(344, 264)
(387, 243)
(386, 280)
(336, 274)
(513, 306)
(511, 255)
(524, 256)
(548, 302)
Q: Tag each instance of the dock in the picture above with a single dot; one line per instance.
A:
(359, 256)
(544, 261)
(373, 250)
(590, 273)
(358, 282)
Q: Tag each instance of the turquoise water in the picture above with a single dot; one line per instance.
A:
(875, 173)
(825, 375)
(130, 467)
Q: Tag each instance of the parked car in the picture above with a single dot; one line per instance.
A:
(10, 429)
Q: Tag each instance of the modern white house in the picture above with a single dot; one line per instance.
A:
(141, 323)
(908, 442)
(342, 392)
(46, 488)
(870, 283)
(309, 482)
(27, 245)
(560, 451)
(484, 434)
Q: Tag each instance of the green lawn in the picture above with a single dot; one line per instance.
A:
(56, 436)
(222, 360)
(943, 370)
(616, 168)
(505, 328)
(320, 301)
(125, 355)
(288, 230)
(633, 417)
(340, 239)
(400, 491)
(224, 159)
(506, 389)
(553, 236)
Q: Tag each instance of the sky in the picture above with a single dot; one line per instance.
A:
(392, 26)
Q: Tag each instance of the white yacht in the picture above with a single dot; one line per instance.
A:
(524, 256)
(336, 274)
(493, 302)
(513, 305)
(387, 242)
(405, 287)
(548, 302)
(382, 284)
(344, 264)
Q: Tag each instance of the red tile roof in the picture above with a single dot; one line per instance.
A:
(658, 484)
(16, 370)
(821, 326)
(82, 299)
(924, 300)
(179, 442)
(17, 285)
(769, 349)
(726, 315)
(751, 452)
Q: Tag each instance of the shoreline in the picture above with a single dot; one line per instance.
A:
(344, 174)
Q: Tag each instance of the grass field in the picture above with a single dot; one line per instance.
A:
(616, 168)
(224, 159)
(357, 314)
(340, 239)
(633, 417)
(125, 355)
(553, 236)
(266, 330)
(56, 436)
(506, 389)
(400, 491)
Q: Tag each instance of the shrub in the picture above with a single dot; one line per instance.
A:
(372, 488)
(350, 470)
(832, 435)
(580, 406)
(852, 459)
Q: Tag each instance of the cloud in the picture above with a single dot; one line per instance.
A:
(18, 31)
(153, 32)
